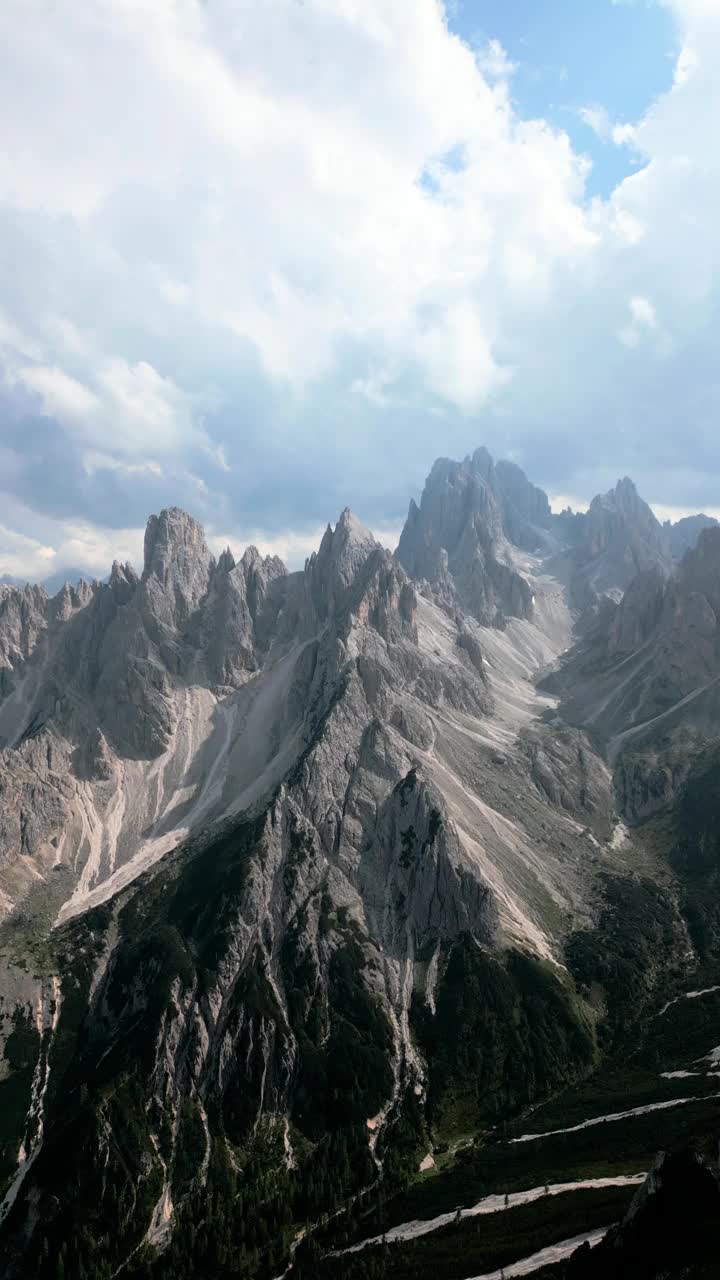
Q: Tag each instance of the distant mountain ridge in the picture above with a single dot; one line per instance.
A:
(303, 876)
(684, 533)
(526, 514)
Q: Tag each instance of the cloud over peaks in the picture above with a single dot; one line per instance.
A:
(269, 259)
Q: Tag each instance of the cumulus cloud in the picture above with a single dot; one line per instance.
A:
(60, 394)
(36, 547)
(130, 409)
(597, 119)
(285, 146)
(643, 321)
(272, 258)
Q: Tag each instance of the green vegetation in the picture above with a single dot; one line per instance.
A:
(629, 956)
(601, 1151)
(21, 1052)
(695, 856)
(511, 1048)
(506, 1032)
(476, 1244)
(612, 1089)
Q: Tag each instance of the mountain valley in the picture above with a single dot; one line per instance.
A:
(365, 919)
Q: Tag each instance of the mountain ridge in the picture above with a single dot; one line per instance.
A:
(265, 834)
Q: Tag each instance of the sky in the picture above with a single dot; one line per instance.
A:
(264, 259)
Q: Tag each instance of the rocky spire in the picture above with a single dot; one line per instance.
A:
(684, 533)
(455, 540)
(620, 537)
(226, 561)
(331, 570)
(177, 566)
(525, 508)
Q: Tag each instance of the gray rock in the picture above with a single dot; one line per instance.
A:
(683, 534)
(455, 540)
(620, 538)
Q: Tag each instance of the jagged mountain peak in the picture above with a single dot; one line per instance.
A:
(479, 464)
(176, 571)
(71, 598)
(22, 591)
(172, 537)
(456, 541)
(620, 537)
(250, 557)
(648, 667)
(707, 548)
(698, 576)
(329, 877)
(299, 813)
(252, 562)
(527, 517)
(226, 561)
(343, 551)
(483, 463)
(684, 533)
(625, 494)
(351, 530)
(624, 499)
(122, 573)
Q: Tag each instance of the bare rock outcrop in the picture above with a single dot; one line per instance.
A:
(455, 540)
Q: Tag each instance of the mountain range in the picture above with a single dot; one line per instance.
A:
(327, 897)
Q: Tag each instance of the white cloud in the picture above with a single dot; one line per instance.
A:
(560, 502)
(93, 462)
(258, 245)
(493, 61)
(643, 312)
(61, 395)
(144, 405)
(643, 321)
(597, 119)
(293, 546)
(673, 513)
(623, 135)
(284, 145)
(91, 548)
(56, 545)
(21, 556)
(131, 409)
(686, 65)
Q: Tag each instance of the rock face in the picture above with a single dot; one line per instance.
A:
(619, 538)
(332, 759)
(527, 517)
(670, 1231)
(645, 678)
(315, 846)
(456, 541)
(142, 709)
(653, 659)
(683, 534)
(120, 682)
